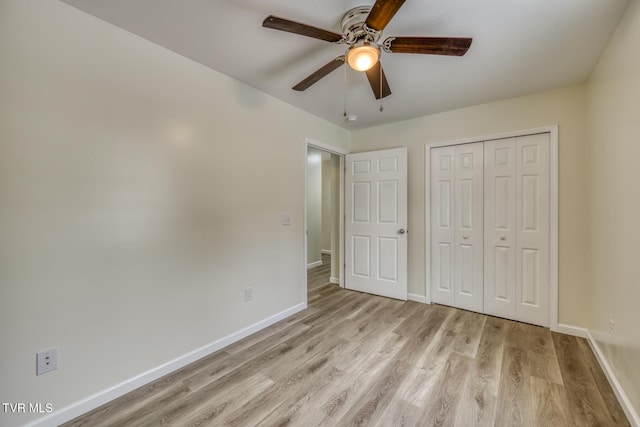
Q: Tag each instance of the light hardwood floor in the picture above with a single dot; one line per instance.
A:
(357, 359)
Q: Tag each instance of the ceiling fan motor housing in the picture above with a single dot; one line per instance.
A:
(354, 28)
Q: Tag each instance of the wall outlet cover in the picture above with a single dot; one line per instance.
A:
(46, 361)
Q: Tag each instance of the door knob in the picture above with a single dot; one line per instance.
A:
(465, 237)
(503, 238)
(401, 231)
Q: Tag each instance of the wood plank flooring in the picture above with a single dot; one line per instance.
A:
(353, 359)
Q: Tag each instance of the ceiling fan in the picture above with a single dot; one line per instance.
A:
(361, 31)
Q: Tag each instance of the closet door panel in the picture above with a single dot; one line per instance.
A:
(442, 224)
(500, 227)
(468, 224)
(532, 223)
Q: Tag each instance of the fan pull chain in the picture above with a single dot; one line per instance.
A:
(345, 92)
(381, 97)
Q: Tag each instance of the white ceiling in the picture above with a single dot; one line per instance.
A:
(519, 47)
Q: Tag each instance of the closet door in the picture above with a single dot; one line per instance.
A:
(442, 228)
(468, 223)
(500, 228)
(532, 224)
(490, 225)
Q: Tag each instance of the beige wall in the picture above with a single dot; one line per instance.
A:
(614, 176)
(565, 107)
(314, 205)
(137, 200)
(119, 226)
(327, 201)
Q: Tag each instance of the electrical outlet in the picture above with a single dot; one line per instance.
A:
(612, 327)
(46, 361)
(248, 294)
(286, 219)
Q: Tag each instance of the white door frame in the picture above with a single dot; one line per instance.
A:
(553, 205)
(340, 153)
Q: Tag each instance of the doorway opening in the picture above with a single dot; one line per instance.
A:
(324, 210)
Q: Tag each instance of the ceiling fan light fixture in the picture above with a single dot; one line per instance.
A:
(362, 56)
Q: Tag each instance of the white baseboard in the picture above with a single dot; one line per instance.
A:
(417, 298)
(325, 251)
(572, 330)
(335, 280)
(314, 264)
(83, 406)
(624, 400)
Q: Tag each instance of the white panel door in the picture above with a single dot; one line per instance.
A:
(532, 224)
(376, 222)
(500, 228)
(490, 227)
(468, 227)
(442, 228)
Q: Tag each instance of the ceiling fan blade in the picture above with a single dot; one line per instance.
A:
(382, 12)
(373, 74)
(454, 46)
(298, 28)
(320, 73)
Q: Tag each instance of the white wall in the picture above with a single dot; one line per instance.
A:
(565, 107)
(614, 175)
(314, 205)
(137, 199)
